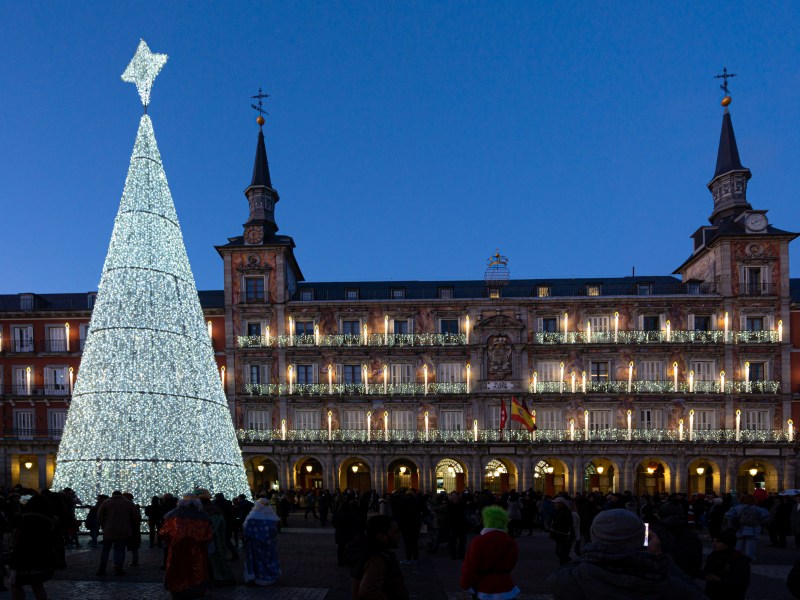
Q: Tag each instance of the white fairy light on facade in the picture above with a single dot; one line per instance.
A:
(148, 392)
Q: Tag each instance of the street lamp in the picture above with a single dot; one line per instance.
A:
(701, 470)
(600, 470)
(550, 470)
(28, 465)
(309, 468)
(354, 468)
(753, 472)
(403, 470)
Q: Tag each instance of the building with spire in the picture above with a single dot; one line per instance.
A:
(682, 382)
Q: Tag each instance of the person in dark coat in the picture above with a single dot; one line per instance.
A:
(154, 519)
(678, 538)
(116, 516)
(727, 571)
(33, 549)
(562, 529)
(375, 572)
(135, 539)
(408, 514)
(348, 522)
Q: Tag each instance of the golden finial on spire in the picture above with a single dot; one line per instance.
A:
(724, 87)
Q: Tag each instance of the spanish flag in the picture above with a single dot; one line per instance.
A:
(519, 412)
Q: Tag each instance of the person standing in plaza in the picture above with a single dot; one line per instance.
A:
(375, 572)
(153, 513)
(187, 532)
(116, 515)
(794, 521)
(562, 529)
(33, 555)
(727, 571)
(747, 518)
(135, 540)
(220, 571)
(261, 566)
(490, 559)
(408, 514)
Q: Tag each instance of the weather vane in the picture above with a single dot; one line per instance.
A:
(725, 76)
(259, 108)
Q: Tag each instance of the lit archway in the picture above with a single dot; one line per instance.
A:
(703, 476)
(262, 474)
(550, 476)
(499, 476)
(308, 474)
(600, 475)
(652, 477)
(402, 473)
(449, 476)
(755, 473)
(355, 473)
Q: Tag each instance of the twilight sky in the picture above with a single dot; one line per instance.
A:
(407, 140)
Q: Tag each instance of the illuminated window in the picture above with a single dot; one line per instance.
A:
(593, 289)
(543, 291)
(599, 371)
(494, 293)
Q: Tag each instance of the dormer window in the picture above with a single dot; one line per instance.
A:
(351, 294)
(398, 294)
(543, 291)
(644, 289)
(593, 289)
(26, 301)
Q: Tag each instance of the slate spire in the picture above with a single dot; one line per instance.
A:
(729, 184)
(261, 166)
(261, 196)
(728, 153)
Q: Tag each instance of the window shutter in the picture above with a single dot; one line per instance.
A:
(641, 322)
(690, 322)
(539, 324)
(662, 322)
(714, 322)
(339, 373)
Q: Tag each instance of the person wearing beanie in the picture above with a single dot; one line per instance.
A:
(491, 556)
(727, 571)
(617, 565)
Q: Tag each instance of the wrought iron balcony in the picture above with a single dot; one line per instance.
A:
(656, 337)
(55, 389)
(655, 387)
(521, 436)
(756, 289)
(350, 340)
(353, 389)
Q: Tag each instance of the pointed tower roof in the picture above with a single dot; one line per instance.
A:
(261, 176)
(728, 153)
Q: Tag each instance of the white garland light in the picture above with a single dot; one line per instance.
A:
(148, 412)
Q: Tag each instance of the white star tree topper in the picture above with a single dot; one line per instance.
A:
(143, 69)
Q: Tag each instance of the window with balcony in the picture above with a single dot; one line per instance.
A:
(650, 370)
(401, 373)
(258, 419)
(755, 281)
(593, 289)
(305, 374)
(705, 419)
(549, 370)
(351, 374)
(254, 289)
(600, 323)
(255, 374)
(25, 423)
(351, 327)
(56, 338)
(651, 322)
(306, 420)
(548, 324)
(451, 420)
(758, 371)
(448, 326)
(650, 418)
(449, 373)
(599, 371)
(254, 329)
(55, 381)
(493, 417)
(351, 294)
(549, 418)
(703, 323)
(22, 336)
(756, 420)
(754, 324)
(354, 420)
(56, 419)
(703, 370)
(400, 326)
(543, 291)
(83, 331)
(599, 420)
(23, 380)
(403, 420)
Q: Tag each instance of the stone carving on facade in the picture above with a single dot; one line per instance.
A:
(498, 349)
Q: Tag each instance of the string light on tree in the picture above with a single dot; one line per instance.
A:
(148, 412)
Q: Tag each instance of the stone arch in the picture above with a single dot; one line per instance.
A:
(705, 481)
(302, 477)
(263, 472)
(551, 475)
(402, 472)
(601, 474)
(450, 475)
(767, 475)
(500, 475)
(355, 473)
(653, 475)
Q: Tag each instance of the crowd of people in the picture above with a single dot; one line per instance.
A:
(607, 545)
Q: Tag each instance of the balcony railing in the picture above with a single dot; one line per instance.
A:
(32, 434)
(756, 289)
(353, 389)
(253, 297)
(656, 337)
(349, 340)
(656, 387)
(24, 390)
(542, 436)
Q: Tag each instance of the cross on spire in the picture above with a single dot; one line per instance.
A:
(725, 76)
(259, 108)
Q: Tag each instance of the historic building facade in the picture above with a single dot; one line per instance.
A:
(686, 382)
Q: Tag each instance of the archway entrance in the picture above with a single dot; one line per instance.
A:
(651, 477)
(703, 476)
(402, 473)
(308, 474)
(449, 476)
(550, 477)
(356, 475)
(264, 474)
(499, 476)
(756, 474)
(600, 476)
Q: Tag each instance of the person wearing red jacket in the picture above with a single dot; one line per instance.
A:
(486, 571)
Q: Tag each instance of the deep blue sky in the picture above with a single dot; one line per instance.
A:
(407, 140)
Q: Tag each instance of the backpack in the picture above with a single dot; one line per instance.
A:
(750, 517)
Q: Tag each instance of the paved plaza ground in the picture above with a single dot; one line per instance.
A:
(309, 572)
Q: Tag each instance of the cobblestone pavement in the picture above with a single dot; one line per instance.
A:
(309, 572)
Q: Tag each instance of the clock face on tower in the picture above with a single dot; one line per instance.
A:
(254, 235)
(756, 222)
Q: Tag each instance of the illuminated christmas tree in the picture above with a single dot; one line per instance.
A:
(148, 412)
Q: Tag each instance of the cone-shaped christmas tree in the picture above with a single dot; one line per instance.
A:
(148, 412)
